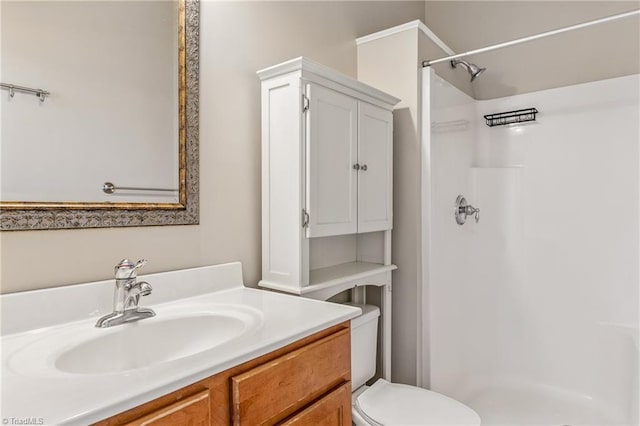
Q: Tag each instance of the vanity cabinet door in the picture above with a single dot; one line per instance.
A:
(332, 410)
(332, 151)
(193, 411)
(375, 180)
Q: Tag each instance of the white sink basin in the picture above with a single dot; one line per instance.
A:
(175, 333)
(57, 366)
(144, 343)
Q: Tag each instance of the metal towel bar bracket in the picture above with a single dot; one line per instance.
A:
(12, 88)
(110, 188)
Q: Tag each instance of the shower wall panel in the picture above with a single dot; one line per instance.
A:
(453, 121)
(542, 292)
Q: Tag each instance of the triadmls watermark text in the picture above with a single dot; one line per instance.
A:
(22, 421)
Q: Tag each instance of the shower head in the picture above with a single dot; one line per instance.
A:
(473, 69)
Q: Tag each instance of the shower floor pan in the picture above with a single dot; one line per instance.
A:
(538, 405)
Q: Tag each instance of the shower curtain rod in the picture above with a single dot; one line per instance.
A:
(533, 37)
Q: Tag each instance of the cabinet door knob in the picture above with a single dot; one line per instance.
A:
(356, 166)
(364, 167)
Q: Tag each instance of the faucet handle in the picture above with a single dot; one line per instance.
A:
(127, 270)
(462, 210)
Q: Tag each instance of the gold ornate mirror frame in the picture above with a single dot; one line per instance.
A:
(16, 215)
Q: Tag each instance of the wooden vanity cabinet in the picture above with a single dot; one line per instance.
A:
(305, 383)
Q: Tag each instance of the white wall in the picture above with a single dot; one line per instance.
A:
(236, 40)
(544, 290)
(112, 116)
(390, 64)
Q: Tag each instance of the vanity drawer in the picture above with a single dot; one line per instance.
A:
(277, 389)
(332, 410)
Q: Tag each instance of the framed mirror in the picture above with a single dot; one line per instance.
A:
(99, 114)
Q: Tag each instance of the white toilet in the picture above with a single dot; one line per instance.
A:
(391, 404)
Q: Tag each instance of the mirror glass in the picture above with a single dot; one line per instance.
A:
(99, 114)
(112, 112)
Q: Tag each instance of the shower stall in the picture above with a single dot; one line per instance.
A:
(532, 310)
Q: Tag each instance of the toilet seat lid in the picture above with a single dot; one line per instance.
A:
(395, 404)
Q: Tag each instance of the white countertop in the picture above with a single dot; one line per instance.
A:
(57, 397)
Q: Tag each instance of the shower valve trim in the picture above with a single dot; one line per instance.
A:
(463, 210)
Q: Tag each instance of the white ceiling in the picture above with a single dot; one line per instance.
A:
(595, 53)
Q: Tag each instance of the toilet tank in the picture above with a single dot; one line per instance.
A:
(364, 340)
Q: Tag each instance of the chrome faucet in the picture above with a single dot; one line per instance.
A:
(127, 295)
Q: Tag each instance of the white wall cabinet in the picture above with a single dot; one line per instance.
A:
(327, 187)
(327, 144)
(350, 143)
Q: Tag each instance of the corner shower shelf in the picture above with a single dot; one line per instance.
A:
(511, 117)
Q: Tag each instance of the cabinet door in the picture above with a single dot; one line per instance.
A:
(192, 411)
(375, 180)
(332, 410)
(332, 149)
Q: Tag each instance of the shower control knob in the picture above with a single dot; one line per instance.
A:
(356, 166)
(463, 210)
(364, 167)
